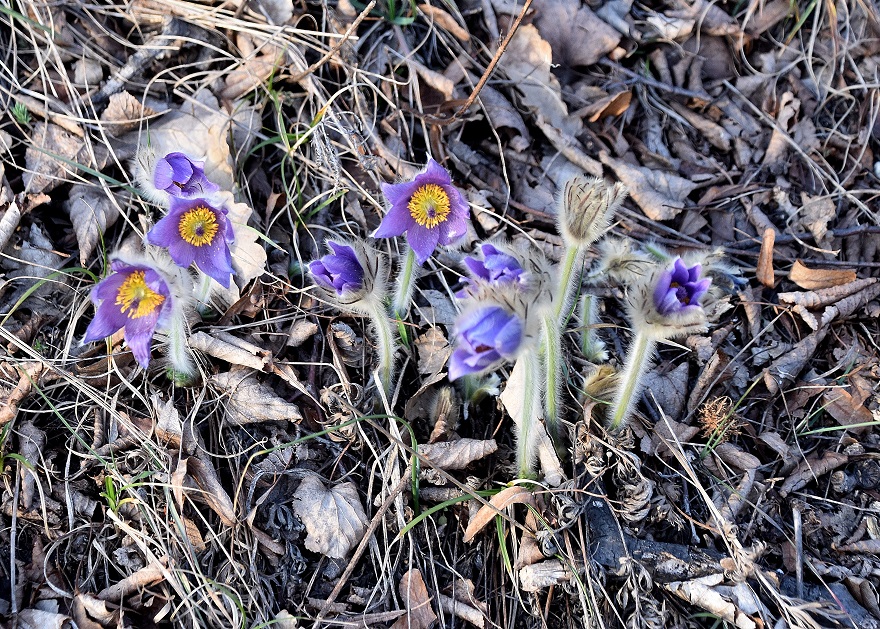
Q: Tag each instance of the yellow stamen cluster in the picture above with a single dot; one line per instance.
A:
(135, 298)
(198, 226)
(429, 206)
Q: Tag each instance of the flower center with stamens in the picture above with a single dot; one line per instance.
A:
(429, 205)
(135, 298)
(198, 226)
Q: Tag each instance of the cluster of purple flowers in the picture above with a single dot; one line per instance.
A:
(196, 230)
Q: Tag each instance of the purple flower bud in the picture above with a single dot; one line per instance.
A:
(429, 209)
(340, 271)
(180, 176)
(135, 298)
(679, 289)
(196, 231)
(485, 337)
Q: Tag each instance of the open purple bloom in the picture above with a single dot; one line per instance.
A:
(135, 298)
(429, 209)
(485, 337)
(180, 176)
(196, 231)
(340, 271)
(679, 288)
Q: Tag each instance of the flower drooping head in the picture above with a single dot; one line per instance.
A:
(340, 271)
(180, 176)
(485, 337)
(429, 209)
(679, 288)
(136, 298)
(496, 266)
(196, 231)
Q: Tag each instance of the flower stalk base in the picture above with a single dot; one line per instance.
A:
(630, 381)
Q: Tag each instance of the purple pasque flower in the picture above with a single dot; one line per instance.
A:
(340, 271)
(429, 209)
(679, 288)
(180, 176)
(133, 297)
(196, 231)
(485, 337)
(496, 266)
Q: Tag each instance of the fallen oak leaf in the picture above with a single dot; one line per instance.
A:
(415, 597)
(231, 349)
(249, 401)
(661, 195)
(846, 410)
(503, 499)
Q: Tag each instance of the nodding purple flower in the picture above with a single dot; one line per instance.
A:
(496, 266)
(340, 271)
(180, 176)
(135, 298)
(196, 231)
(679, 288)
(485, 337)
(429, 209)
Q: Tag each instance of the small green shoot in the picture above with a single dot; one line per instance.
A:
(21, 114)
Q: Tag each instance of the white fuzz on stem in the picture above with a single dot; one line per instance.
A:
(406, 281)
(630, 385)
(526, 445)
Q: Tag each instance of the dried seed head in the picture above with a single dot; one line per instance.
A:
(586, 207)
(718, 421)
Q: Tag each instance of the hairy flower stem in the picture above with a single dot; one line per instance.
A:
(179, 355)
(630, 381)
(592, 347)
(204, 293)
(551, 347)
(525, 447)
(385, 344)
(406, 281)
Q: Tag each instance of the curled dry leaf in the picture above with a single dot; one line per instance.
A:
(91, 211)
(415, 598)
(169, 428)
(124, 113)
(503, 499)
(91, 613)
(146, 576)
(701, 592)
(43, 170)
(813, 279)
(789, 365)
(212, 492)
(39, 619)
(334, 519)
(31, 441)
(445, 21)
(543, 574)
(847, 410)
(231, 349)
(661, 195)
(250, 401)
(456, 455)
(811, 468)
(433, 350)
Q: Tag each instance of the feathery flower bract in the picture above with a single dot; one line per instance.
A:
(196, 231)
(180, 176)
(429, 209)
(486, 336)
(136, 298)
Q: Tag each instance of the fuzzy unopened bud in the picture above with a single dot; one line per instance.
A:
(586, 207)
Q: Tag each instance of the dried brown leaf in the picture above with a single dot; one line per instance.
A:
(43, 171)
(89, 612)
(846, 410)
(826, 296)
(813, 279)
(764, 270)
(169, 428)
(434, 350)
(231, 349)
(146, 576)
(249, 401)
(611, 105)
(124, 113)
(445, 21)
(31, 441)
(661, 195)
(212, 492)
(789, 365)
(92, 212)
(39, 619)
(415, 598)
(812, 468)
(702, 593)
(577, 36)
(527, 62)
(456, 455)
(503, 499)
(334, 519)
